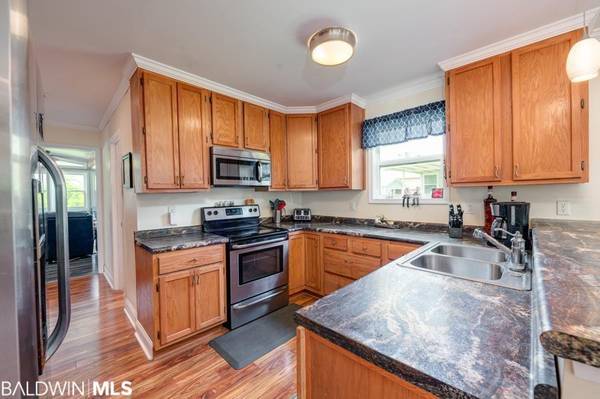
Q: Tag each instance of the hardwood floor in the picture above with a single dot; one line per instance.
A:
(100, 346)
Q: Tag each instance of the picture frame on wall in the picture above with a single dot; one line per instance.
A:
(127, 171)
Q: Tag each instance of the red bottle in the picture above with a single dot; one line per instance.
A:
(488, 210)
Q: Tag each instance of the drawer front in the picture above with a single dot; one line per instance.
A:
(348, 265)
(364, 246)
(335, 242)
(169, 262)
(333, 282)
(396, 250)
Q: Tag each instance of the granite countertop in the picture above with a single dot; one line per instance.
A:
(452, 337)
(567, 272)
(172, 239)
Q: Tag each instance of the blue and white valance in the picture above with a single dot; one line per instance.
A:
(409, 124)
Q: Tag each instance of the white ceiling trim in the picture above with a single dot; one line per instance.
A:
(74, 126)
(122, 88)
(408, 88)
(544, 32)
(175, 73)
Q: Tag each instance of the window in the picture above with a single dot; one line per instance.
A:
(76, 190)
(415, 166)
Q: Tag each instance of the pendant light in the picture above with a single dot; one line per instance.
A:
(332, 46)
(583, 62)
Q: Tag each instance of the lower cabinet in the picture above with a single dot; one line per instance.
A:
(180, 293)
(322, 263)
(326, 370)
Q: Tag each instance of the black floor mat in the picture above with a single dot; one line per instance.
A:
(244, 345)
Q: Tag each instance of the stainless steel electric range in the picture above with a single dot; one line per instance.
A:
(257, 262)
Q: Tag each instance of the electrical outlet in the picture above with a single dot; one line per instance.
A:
(171, 212)
(563, 208)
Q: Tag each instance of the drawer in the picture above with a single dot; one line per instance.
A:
(333, 282)
(335, 242)
(348, 265)
(396, 250)
(364, 246)
(169, 262)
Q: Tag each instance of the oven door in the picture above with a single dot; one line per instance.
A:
(237, 171)
(257, 268)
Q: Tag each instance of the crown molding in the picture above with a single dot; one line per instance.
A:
(408, 88)
(74, 126)
(176, 73)
(126, 73)
(544, 32)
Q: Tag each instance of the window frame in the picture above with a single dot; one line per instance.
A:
(373, 181)
(86, 190)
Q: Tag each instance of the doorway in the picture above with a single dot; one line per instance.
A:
(116, 213)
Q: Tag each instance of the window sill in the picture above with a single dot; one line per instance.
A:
(422, 201)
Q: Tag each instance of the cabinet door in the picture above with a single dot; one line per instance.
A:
(296, 263)
(475, 122)
(177, 307)
(334, 147)
(313, 271)
(301, 152)
(161, 137)
(210, 295)
(193, 144)
(547, 112)
(256, 127)
(278, 145)
(226, 121)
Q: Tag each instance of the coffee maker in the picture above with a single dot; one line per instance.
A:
(511, 216)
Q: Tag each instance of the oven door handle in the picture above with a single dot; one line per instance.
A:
(258, 244)
(259, 300)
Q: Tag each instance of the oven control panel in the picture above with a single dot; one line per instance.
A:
(230, 212)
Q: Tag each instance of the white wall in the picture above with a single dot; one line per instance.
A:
(71, 137)
(583, 197)
(153, 208)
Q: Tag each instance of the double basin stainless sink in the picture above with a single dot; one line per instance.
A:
(485, 265)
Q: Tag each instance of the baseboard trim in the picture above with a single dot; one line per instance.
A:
(140, 334)
(109, 279)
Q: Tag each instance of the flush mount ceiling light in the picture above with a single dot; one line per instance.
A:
(332, 46)
(583, 62)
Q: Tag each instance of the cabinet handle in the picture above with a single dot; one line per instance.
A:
(181, 180)
(497, 171)
(517, 170)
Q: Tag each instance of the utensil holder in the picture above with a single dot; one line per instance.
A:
(277, 217)
(455, 232)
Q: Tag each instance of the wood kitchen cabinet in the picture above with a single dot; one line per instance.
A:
(314, 268)
(256, 127)
(296, 262)
(301, 152)
(180, 293)
(517, 119)
(278, 147)
(340, 155)
(170, 134)
(550, 113)
(226, 121)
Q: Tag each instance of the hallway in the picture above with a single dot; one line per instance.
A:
(101, 346)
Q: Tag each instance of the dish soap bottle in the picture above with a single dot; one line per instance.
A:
(488, 210)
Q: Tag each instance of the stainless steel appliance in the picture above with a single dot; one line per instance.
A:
(257, 262)
(236, 167)
(47, 178)
(509, 218)
(302, 215)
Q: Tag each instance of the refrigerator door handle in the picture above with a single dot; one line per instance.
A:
(62, 255)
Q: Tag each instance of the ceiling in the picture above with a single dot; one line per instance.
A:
(259, 46)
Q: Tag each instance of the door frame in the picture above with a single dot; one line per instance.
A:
(116, 215)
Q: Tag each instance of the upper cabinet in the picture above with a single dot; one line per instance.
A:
(341, 158)
(278, 144)
(549, 113)
(170, 140)
(302, 152)
(226, 121)
(256, 127)
(517, 119)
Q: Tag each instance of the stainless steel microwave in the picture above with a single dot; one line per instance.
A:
(237, 167)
